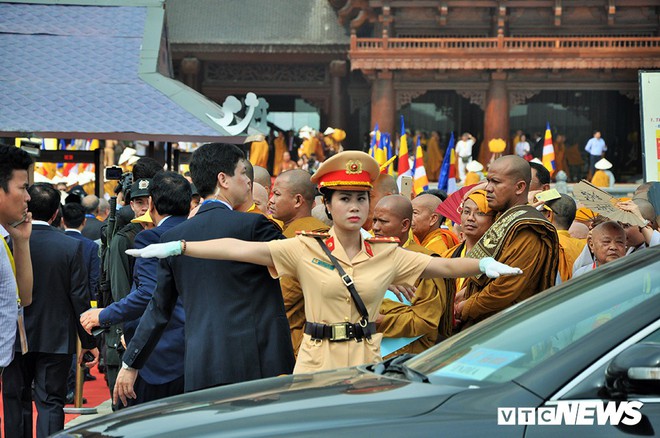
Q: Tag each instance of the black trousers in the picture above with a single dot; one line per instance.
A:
(146, 392)
(48, 372)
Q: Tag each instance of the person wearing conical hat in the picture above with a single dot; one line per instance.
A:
(335, 320)
(603, 177)
(475, 172)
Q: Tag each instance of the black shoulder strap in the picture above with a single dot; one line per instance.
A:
(348, 282)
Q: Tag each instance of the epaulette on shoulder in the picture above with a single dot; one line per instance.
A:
(312, 234)
(383, 240)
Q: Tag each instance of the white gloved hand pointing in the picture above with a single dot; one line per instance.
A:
(160, 250)
(493, 269)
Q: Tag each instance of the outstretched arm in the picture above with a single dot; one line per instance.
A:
(467, 267)
(217, 249)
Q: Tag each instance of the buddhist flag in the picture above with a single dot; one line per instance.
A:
(548, 150)
(449, 169)
(420, 181)
(404, 161)
(386, 152)
(375, 141)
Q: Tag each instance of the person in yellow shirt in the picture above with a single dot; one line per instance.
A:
(426, 225)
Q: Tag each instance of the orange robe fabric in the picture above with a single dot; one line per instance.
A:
(259, 153)
(280, 148)
(600, 179)
(433, 158)
(439, 240)
(422, 317)
(570, 249)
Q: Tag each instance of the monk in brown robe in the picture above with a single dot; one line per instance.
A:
(521, 236)
(426, 225)
(280, 149)
(291, 202)
(561, 212)
(432, 304)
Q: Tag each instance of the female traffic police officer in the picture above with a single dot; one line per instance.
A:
(338, 332)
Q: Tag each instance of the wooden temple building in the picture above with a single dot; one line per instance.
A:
(489, 67)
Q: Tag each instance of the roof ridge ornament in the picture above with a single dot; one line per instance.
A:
(255, 114)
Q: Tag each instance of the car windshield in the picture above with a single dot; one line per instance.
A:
(525, 336)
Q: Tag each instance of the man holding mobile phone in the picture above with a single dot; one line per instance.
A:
(16, 268)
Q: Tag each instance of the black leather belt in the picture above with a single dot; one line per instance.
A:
(339, 332)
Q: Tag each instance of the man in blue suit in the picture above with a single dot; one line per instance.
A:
(236, 328)
(162, 374)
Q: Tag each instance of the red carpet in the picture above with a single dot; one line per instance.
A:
(96, 392)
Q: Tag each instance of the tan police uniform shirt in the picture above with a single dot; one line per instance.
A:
(328, 301)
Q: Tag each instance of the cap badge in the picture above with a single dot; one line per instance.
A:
(353, 167)
(143, 185)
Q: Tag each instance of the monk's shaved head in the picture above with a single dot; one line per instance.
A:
(298, 181)
(260, 196)
(517, 168)
(645, 208)
(609, 227)
(262, 176)
(386, 185)
(398, 205)
(607, 242)
(427, 202)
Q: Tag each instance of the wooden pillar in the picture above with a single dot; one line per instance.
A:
(383, 102)
(496, 115)
(190, 70)
(337, 94)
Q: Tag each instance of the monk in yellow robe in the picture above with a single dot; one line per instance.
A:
(280, 148)
(259, 152)
(561, 212)
(433, 157)
(426, 225)
(432, 304)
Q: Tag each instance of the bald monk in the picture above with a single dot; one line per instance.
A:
(432, 302)
(260, 196)
(383, 186)
(426, 225)
(291, 203)
(607, 242)
(521, 236)
(262, 177)
(561, 212)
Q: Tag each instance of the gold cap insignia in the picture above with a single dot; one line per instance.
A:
(353, 167)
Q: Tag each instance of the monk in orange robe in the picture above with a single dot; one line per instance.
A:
(433, 157)
(426, 225)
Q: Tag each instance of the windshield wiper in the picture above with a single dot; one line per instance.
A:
(396, 365)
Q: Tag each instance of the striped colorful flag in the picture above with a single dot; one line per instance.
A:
(420, 181)
(548, 150)
(404, 161)
(449, 169)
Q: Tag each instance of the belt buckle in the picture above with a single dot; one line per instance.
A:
(348, 281)
(339, 332)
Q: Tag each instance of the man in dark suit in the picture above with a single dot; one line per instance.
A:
(59, 296)
(236, 328)
(92, 228)
(73, 217)
(162, 374)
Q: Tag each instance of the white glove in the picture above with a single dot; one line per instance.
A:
(493, 269)
(160, 250)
